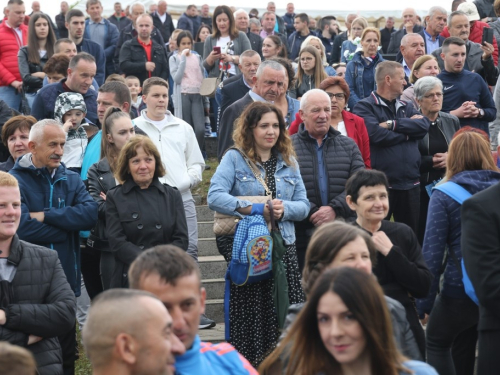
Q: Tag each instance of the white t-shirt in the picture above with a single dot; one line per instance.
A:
(222, 43)
(162, 18)
(159, 124)
(341, 128)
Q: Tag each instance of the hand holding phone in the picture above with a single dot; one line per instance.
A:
(217, 50)
(487, 36)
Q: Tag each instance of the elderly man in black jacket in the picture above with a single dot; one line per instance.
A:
(37, 303)
(326, 160)
(394, 127)
(142, 56)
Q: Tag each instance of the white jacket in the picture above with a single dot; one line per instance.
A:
(178, 149)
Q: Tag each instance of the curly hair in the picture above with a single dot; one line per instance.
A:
(243, 133)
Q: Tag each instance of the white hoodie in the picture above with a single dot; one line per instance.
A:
(178, 149)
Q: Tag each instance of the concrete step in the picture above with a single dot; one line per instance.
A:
(213, 335)
(212, 267)
(205, 229)
(203, 213)
(214, 288)
(214, 309)
(207, 247)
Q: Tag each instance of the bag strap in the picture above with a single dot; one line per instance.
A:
(274, 227)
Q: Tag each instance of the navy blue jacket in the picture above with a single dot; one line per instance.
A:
(444, 230)
(188, 23)
(467, 86)
(394, 152)
(294, 42)
(111, 39)
(97, 51)
(45, 100)
(358, 80)
(288, 20)
(68, 209)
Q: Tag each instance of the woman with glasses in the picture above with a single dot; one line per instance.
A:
(360, 73)
(310, 72)
(316, 42)
(424, 66)
(428, 92)
(348, 124)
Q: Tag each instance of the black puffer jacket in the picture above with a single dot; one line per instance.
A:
(43, 304)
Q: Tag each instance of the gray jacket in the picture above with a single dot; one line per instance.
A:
(475, 63)
(400, 326)
(241, 44)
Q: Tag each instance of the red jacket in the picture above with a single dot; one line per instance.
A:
(355, 128)
(9, 47)
(476, 36)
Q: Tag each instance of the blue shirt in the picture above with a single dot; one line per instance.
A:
(323, 178)
(406, 69)
(431, 45)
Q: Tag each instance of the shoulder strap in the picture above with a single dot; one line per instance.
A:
(454, 191)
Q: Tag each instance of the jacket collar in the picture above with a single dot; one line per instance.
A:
(130, 184)
(25, 163)
(103, 165)
(16, 251)
(380, 102)
(304, 134)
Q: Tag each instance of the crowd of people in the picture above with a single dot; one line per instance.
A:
(358, 146)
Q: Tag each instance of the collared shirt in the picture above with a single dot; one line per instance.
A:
(97, 32)
(322, 174)
(257, 97)
(246, 84)
(263, 34)
(147, 48)
(431, 45)
(406, 69)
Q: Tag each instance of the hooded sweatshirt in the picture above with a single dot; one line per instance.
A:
(444, 230)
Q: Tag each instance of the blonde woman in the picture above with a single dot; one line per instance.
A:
(316, 42)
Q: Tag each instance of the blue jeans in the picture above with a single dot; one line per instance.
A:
(10, 96)
(452, 336)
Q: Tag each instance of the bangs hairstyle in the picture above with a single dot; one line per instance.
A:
(224, 9)
(307, 43)
(336, 81)
(324, 246)
(469, 151)
(129, 151)
(7, 180)
(200, 29)
(303, 349)
(362, 178)
(418, 64)
(243, 133)
(109, 150)
(23, 123)
(319, 71)
(153, 81)
(33, 46)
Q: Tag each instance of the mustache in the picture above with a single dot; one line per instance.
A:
(55, 157)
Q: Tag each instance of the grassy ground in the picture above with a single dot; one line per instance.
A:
(82, 366)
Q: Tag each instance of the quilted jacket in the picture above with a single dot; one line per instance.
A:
(9, 47)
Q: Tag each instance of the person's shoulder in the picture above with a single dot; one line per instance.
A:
(37, 251)
(419, 368)
(225, 355)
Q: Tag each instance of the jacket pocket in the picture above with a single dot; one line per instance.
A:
(245, 183)
(287, 188)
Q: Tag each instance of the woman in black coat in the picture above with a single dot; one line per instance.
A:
(36, 302)
(141, 213)
(117, 129)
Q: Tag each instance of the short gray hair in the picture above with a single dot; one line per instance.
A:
(37, 130)
(404, 40)
(265, 14)
(239, 11)
(274, 65)
(304, 101)
(436, 9)
(137, 4)
(255, 21)
(456, 13)
(424, 85)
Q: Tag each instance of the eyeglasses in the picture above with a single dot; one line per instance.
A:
(339, 96)
(306, 58)
(438, 95)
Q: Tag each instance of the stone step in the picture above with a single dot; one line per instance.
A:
(212, 267)
(214, 288)
(203, 213)
(214, 309)
(207, 247)
(213, 335)
(205, 229)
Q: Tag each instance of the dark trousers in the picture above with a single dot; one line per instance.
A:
(422, 218)
(452, 336)
(405, 206)
(488, 361)
(90, 260)
(69, 350)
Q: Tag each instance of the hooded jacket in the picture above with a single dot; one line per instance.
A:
(68, 209)
(43, 304)
(444, 230)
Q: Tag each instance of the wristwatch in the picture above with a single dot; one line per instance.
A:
(390, 124)
(481, 113)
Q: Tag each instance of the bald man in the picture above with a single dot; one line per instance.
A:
(129, 332)
(410, 26)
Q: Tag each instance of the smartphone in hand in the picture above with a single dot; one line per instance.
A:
(487, 36)
(217, 50)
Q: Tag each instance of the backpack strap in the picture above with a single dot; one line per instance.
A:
(454, 191)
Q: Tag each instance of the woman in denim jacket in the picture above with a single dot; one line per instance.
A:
(261, 134)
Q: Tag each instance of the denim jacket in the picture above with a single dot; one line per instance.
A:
(293, 108)
(354, 77)
(235, 178)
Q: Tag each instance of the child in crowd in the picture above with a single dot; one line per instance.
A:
(70, 110)
(134, 85)
(187, 72)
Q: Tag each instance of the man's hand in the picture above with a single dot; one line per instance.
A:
(487, 50)
(40, 216)
(384, 125)
(409, 26)
(439, 160)
(150, 66)
(425, 320)
(32, 339)
(40, 75)
(325, 214)
(465, 110)
(3, 318)
(382, 243)
(416, 117)
(18, 85)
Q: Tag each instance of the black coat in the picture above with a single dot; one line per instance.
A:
(133, 60)
(43, 304)
(166, 28)
(233, 92)
(385, 38)
(481, 253)
(337, 47)
(396, 37)
(133, 227)
(256, 42)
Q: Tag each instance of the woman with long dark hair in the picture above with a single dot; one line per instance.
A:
(310, 72)
(33, 56)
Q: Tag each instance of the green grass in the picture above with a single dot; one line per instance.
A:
(82, 366)
(202, 188)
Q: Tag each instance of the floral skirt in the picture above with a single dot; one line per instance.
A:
(254, 328)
